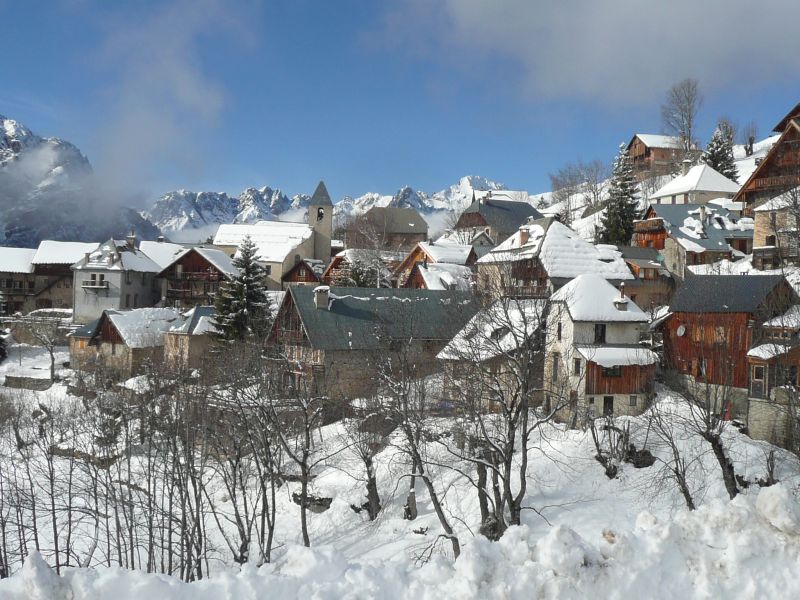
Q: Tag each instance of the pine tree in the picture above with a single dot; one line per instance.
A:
(622, 209)
(719, 152)
(242, 304)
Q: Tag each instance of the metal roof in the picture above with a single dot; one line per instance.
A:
(366, 319)
(320, 197)
(725, 293)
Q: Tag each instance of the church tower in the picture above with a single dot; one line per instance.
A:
(320, 218)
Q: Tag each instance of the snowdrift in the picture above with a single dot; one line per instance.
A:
(747, 548)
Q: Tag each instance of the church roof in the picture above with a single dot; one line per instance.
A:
(321, 196)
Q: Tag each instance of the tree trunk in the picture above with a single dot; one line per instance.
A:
(725, 465)
(410, 509)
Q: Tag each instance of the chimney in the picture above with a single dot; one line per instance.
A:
(524, 236)
(685, 166)
(160, 239)
(322, 295)
(131, 239)
(703, 214)
(86, 256)
(621, 303)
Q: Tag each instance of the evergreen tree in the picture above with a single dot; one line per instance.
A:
(622, 209)
(242, 304)
(719, 152)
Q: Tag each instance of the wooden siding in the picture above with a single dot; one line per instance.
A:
(779, 171)
(301, 273)
(633, 379)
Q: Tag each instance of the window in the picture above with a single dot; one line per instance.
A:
(136, 301)
(554, 374)
(633, 400)
(576, 366)
(615, 371)
(758, 373)
(31, 285)
(268, 270)
(127, 300)
(770, 241)
(599, 333)
(591, 400)
(128, 277)
(558, 331)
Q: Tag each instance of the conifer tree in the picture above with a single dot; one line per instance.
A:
(242, 304)
(623, 209)
(719, 152)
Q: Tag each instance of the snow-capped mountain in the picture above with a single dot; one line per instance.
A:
(185, 215)
(47, 191)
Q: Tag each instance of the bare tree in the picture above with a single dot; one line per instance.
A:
(47, 333)
(679, 112)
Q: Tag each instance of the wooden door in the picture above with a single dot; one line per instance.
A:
(608, 406)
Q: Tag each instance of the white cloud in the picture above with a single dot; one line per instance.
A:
(615, 52)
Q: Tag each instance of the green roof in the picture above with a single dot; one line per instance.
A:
(366, 318)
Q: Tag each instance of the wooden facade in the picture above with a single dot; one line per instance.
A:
(649, 232)
(650, 160)
(303, 273)
(628, 379)
(191, 280)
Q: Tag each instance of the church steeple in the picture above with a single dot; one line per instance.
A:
(320, 218)
(320, 197)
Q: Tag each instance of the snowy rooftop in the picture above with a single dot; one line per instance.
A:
(785, 200)
(51, 252)
(444, 276)
(162, 253)
(618, 356)
(456, 254)
(16, 260)
(143, 327)
(117, 255)
(197, 321)
(275, 240)
(653, 140)
(700, 227)
(590, 297)
(500, 329)
(768, 351)
(700, 178)
(788, 320)
(562, 252)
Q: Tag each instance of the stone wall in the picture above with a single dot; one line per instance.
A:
(770, 420)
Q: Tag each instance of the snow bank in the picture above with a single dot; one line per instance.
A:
(748, 548)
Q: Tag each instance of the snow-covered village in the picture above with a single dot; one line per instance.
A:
(580, 383)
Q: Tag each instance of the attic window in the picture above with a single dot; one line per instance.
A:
(500, 332)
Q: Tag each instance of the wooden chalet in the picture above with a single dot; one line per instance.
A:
(194, 276)
(387, 228)
(307, 271)
(384, 262)
(440, 276)
(497, 213)
(716, 319)
(431, 252)
(779, 170)
(653, 154)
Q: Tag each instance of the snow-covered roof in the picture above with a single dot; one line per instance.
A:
(700, 178)
(51, 252)
(456, 254)
(162, 253)
(768, 351)
(501, 328)
(562, 252)
(590, 297)
(444, 276)
(654, 140)
(728, 204)
(275, 240)
(618, 356)
(16, 260)
(368, 255)
(785, 200)
(685, 224)
(143, 327)
(117, 255)
(788, 320)
(196, 321)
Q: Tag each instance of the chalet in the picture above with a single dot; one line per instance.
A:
(281, 245)
(440, 276)
(349, 267)
(17, 281)
(542, 256)
(653, 154)
(594, 356)
(776, 232)
(715, 320)
(497, 213)
(308, 271)
(774, 367)
(497, 354)
(653, 284)
(779, 170)
(117, 275)
(332, 337)
(194, 276)
(387, 227)
(481, 242)
(122, 342)
(698, 185)
(430, 252)
(189, 339)
(161, 252)
(693, 234)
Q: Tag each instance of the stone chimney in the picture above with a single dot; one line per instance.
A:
(703, 214)
(322, 294)
(131, 240)
(685, 166)
(86, 256)
(621, 303)
(524, 236)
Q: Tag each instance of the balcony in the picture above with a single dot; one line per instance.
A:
(526, 291)
(94, 284)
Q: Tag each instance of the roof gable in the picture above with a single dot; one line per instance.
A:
(792, 114)
(590, 297)
(700, 178)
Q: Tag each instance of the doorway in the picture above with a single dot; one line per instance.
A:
(608, 406)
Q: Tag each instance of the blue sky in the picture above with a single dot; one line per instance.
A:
(371, 96)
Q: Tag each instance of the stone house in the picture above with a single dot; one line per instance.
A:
(281, 245)
(189, 340)
(194, 275)
(117, 275)
(542, 256)
(17, 281)
(776, 232)
(595, 364)
(653, 285)
(334, 341)
(123, 342)
(498, 213)
(387, 228)
(698, 185)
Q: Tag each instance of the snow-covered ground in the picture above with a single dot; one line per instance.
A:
(25, 360)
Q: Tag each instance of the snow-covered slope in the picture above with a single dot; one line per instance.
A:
(47, 191)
